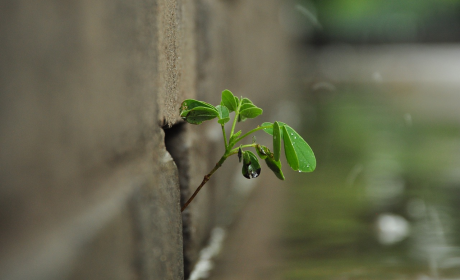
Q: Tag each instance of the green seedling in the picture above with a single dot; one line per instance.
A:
(299, 155)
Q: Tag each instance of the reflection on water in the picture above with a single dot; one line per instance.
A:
(384, 201)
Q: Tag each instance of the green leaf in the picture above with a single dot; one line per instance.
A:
(229, 100)
(262, 151)
(248, 110)
(199, 114)
(189, 104)
(223, 114)
(246, 101)
(247, 106)
(236, 134)
(254, 160)
(246, 158)
(299, 155)
(251, 167)
(270, 129)
(232, 140)
(275, 166)
(251, 112)
(289, 151)
(276, 141)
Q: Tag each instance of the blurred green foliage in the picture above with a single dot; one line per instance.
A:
(330, 218)
(390, 20)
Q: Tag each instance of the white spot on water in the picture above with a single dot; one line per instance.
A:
(391, 228)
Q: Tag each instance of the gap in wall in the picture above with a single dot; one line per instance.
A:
(175, 142)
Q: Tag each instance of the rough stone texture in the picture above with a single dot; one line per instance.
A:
(88, 189)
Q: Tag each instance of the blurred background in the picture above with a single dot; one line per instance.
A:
(377, 98)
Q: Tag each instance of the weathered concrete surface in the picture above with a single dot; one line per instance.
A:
(87, 187)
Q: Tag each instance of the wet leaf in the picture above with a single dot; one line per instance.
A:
(276, 141)
(229, 100)
(298, 153)
(195, 111)
(262, 151)
(199, 114)
(251, 167)
(189, 104)
(269, 130)
(223, 114)
(275, 166)
(289, 151)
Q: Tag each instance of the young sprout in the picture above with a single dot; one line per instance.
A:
(299, 155)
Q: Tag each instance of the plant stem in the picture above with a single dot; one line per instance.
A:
(226, 155)
(237, 112)
(235, 151)
(205, 180)
(251, 131)
(225, 137)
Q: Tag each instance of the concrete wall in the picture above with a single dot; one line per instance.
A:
(88, 91)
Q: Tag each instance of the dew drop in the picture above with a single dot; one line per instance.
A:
(300, 171)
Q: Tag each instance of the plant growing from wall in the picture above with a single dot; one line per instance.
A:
(299, 155)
